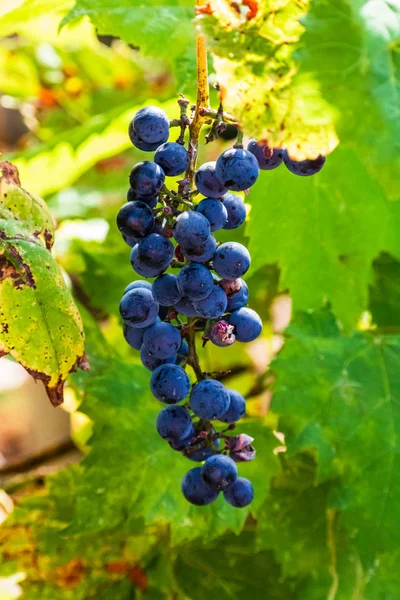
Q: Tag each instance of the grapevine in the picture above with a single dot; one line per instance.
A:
(169, 228)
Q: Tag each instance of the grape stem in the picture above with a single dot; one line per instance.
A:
(216, 114)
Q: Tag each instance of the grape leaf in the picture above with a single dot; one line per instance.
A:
(384, 292)
(28, 10)
(40, 324)
(324, 232)
(338, 396)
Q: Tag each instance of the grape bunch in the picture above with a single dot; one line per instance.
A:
(168, 230)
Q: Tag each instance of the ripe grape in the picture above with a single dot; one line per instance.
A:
(214, 305)
(207, 181)
(247, 324)
(201, 254)
(173, 158)
(214, 211)
(195, 281)
(174, 423)
(132, 197)
(238, 299)
(150, 125)
(135, 219)
(203, 452)
(240, 493)
(162, 340)
(155, 251)
(139, 283)
(231, 260)
(195, 490)
(237, 408)
(266, 160)
(146, 179)
(191, 229)
(237, 169)
(209, 399)
(236, 211)
(138, 308)
(304, 168)
(134, 336)
(186, 308)
(141, 268)
(219, 472)
(151, 362)
(170, 384)
(165, 290)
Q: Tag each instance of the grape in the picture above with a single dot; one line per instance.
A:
(151, 125)
(209, 399)
(141, 144)
(237, 408)
(134, 336)
(131, 242)
(221, 334)
(151, 362)
(191, 229)
(240, 493)
(231, 260)
(183, 352)
(195, 490)
(203, 253)
(266, 160)
(155, 251)
(214, 305)
(304, 168)
(174, 423)
(165, 290)
(237, 169)
(135, 219)
(162, 340)
(236, 211)
(186, 308)
(219, 472)
(181, 445)
(170, 384)
(146, 179)
(247, 324)
(202, 453)
(132, 197)
(139, 283)
(138, 308)
(207, 181)
(195, 281)
(162, 312)
(214, 211)
(173, 158)
(229, 133)
(143, 269)
(239, 298)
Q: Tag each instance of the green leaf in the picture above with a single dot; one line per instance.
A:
(324, 232)
(338, 396)
(384, 294)
(13, 13)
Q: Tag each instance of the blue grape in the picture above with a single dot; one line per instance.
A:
(131, 242)
(146, 179)
(135, 219)
(219, 472)
(181, 445)
(247, 324)
(236, 211)
(267, 158)
(207, 181)
(195, 490)
(165, 290)
(240, 298)
(134, 336)
(141, 268)
(141, 144)
(170, 384)
(203, 452)
(214, 305)
(132, 197)
(237, 169)
(174, 423)
(155, 251)
(237, 408)
(139, 283)
(221, 334)
(231, 260)
(304, 168)
(240, 493)
(163, 312)
(173, 158)
(195, 281)
(138, 308)
(151, 125)
(214, 211)
(209, 399)
(203, 253)
(162, 340)
(186, 308)
(151, 362)
(191, 229)
(229, 132)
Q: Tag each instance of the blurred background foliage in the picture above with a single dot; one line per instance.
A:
(91, 503)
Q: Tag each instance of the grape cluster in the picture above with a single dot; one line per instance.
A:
(164, 229)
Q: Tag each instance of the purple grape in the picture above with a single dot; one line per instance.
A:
(162, 340)
(146, 179)
(155, 251)
(134, 336)
(139, 283)
(214, 211)
(173, 158)
(135, 219)
(236, 211)
(181, 445)
(209, 399)
(195, 281)
(151, 362)
(237, 169)
(132, 197)
(186, 308)
(304, 168)
(170, 384)
(237, 408)
(231, 260)
(221, 334)
(165, 290)
(191, 229)
(240, 298)
(138, 308)
(207, 181)
(203, 253)
(247, 324)
(240, 493)
(195, 490)
(150, 125)
(174, 423)
(131, 242)
(219, 472)
(141, 268)
(214, 305)
(267, 158)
